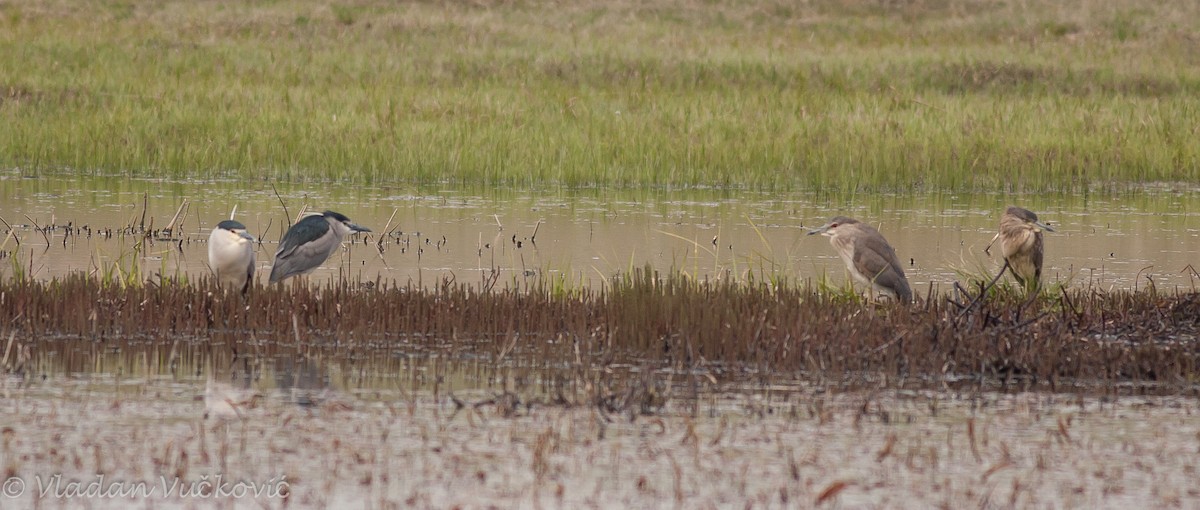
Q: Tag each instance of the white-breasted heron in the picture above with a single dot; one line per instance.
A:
(868, 256)
(231, 255)
(1021, 244)
(310, 242)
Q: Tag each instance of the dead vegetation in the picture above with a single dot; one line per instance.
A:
(645, 326)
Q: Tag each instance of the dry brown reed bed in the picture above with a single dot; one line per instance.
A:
(1106, 341)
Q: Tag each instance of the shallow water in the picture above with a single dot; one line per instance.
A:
(785, 445)
(1120, 241)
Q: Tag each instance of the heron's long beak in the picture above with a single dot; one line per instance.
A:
(246, 235)
(1043, 226)
(355, 228)
(820, 230)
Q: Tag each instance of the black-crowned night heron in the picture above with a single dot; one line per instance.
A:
(1021, 244)
(310, 242)
(868, 256)
(231, 255)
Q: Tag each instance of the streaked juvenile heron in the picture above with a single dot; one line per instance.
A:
(868, 256)
(231, 255)
(310, 242)
(1021, 244)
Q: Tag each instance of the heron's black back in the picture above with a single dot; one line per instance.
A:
(301, 249)
(307, 230)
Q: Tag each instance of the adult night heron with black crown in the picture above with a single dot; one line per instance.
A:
(310, 242)
(231, 255)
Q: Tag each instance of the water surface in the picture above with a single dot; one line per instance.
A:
(785, 445)
(1120, 241)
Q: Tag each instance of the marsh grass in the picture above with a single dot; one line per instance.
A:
(664, 323)
(831, 95)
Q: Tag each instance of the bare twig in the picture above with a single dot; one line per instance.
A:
(270, 222)
(1192, 274)
(1023, 325)
(1139, 276)
(39, 229)
(11, 233)
(286, 214)
(533, 238)
(386, 233)
(171, 225)
(8, 348)
(145, 207)
(983, 292)
(1067, 301)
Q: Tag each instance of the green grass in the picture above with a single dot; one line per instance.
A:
(832, 94)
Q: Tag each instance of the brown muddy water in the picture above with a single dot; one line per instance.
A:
(562, 387)
(144, 441)
(1112, 241)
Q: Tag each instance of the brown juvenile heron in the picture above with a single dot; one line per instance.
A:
(1021, 244)
(868, 256)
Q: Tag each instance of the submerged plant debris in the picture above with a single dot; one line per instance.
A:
(803, 448)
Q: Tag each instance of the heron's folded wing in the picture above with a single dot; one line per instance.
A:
(876, 260)
(305, 256)
(302, 233)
